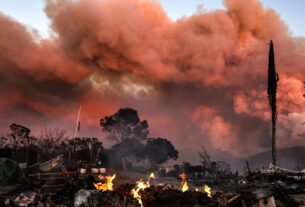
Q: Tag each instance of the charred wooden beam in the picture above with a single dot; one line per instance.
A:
(273, 78)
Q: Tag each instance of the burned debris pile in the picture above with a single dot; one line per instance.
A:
(152, 196)
(82, 192)
(91, 189)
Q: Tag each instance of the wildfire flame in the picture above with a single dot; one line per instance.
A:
(152, 175)
(141, 185)
(208, 190)
(182, 176)
(108, 185)
(184, 186)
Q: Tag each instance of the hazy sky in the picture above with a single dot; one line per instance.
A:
(30, 12)
(198, 81)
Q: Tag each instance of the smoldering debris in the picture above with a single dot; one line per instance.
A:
(82, 192)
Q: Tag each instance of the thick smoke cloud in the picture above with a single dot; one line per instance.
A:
(200, 80)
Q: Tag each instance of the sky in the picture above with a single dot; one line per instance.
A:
(199, 80)
(31, 12)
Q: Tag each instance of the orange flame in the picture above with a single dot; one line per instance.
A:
(184, 186)
(182, 176)
(152, 175)
(108, 185)
(141, 185)
(208, 190)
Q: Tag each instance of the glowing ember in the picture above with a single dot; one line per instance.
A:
(208, 190)
(108, 185)
(141, 185)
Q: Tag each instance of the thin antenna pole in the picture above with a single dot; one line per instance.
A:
(77, 122)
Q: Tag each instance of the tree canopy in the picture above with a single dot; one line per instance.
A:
(132, 142)
(159, 150)
(124, 124)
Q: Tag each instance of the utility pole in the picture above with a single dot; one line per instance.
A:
(273, 78)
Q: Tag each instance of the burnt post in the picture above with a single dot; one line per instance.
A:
(273, 78)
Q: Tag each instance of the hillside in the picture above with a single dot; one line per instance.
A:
(290, 158)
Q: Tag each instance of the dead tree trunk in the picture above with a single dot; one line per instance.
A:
(272, 88)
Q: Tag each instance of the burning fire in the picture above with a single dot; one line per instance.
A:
(152, 175)
(184, 186)
(141, 185)
(108, 185)
(182, 176)
(208, 190)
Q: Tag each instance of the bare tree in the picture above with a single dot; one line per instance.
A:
(206, 161)
(52, 139)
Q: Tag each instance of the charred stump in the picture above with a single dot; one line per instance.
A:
(273, 78)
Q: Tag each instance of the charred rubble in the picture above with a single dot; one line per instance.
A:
(80, 191)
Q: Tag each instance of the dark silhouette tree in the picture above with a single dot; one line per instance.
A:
(132, 145)
(273, 78)
(158, 151)
(19, 131)
(52, 140)
(123, 125)
(20, 135)
(206, 162)
(21, 139)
